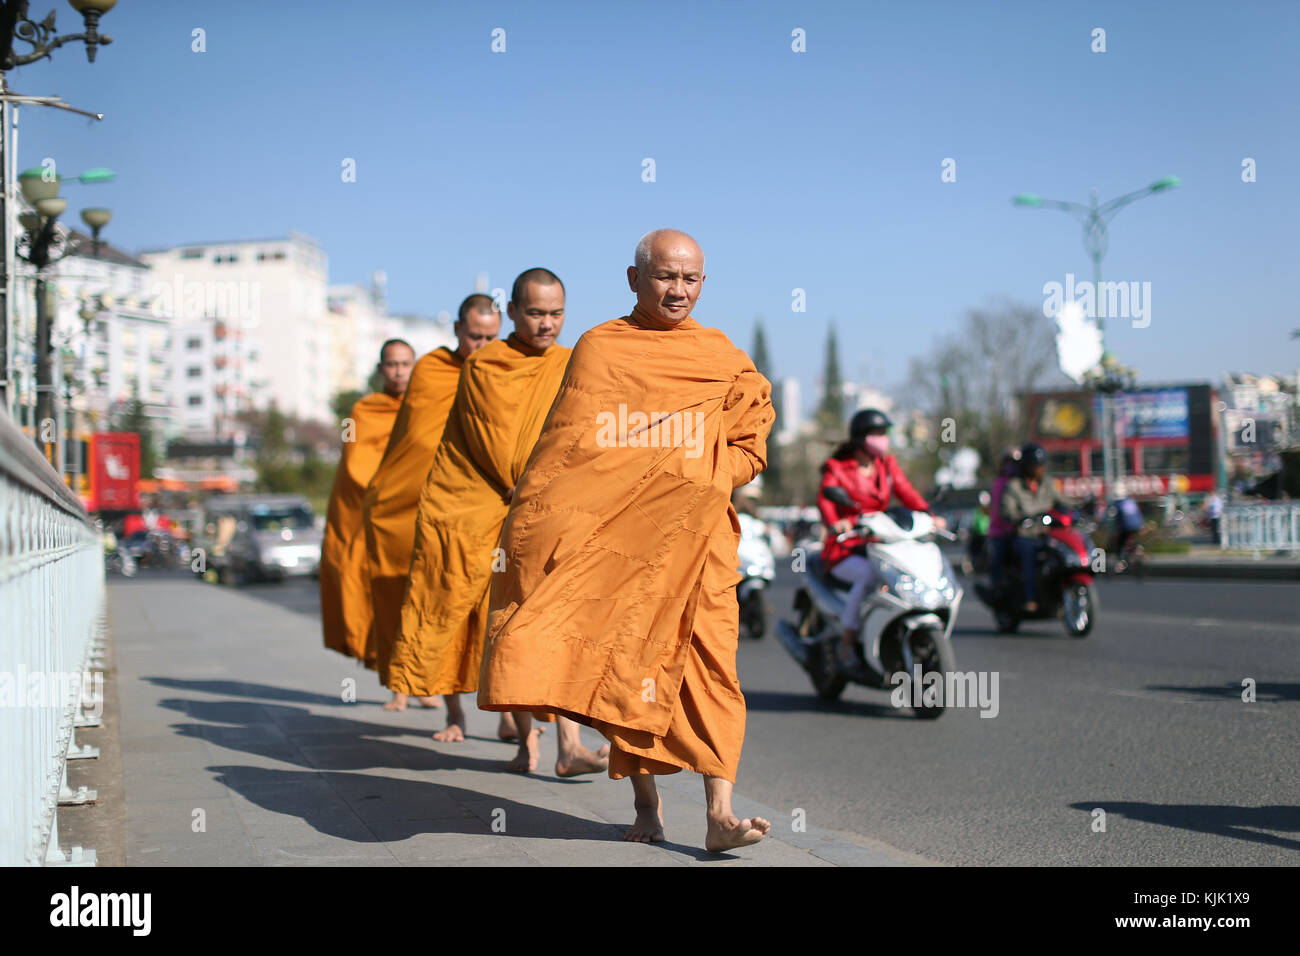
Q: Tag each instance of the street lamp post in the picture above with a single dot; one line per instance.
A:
(44, 244)
(17, 26)
(1096, 239)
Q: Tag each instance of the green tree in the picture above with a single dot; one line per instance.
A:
(132, 417)
(342, 402)
(830, 414)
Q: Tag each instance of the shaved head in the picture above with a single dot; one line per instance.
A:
(396, 359)
(539, 275)
(668, 275)
(478, 322)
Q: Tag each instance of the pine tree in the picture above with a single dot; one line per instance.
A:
(132, 417)
(830, 414)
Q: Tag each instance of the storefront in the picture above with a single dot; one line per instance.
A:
(1167, 434)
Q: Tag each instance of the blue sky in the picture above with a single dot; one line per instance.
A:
(818, 170)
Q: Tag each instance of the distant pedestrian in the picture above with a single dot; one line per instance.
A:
(1214, 512)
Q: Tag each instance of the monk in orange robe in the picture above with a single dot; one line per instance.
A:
(617, 606)
(505, 393)
(344, 565)
(388, 510)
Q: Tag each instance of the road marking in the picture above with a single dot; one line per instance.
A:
(1204, 621)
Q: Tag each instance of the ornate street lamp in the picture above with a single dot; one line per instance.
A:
(40, 244)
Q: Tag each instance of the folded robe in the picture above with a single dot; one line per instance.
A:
(617, 604)
(503, 397)
(344, 565)
(388, 510)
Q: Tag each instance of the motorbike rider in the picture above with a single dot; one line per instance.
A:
(1026, 495)
(999, 529)
(863, 467)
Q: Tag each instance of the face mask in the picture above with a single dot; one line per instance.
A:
(877, 446)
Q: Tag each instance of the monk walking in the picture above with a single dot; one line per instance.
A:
(344, 566)
(503, 398)
(617, 605)
(388, 510)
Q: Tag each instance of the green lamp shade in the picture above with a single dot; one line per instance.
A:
(96, 218)
(81, 6)
(97, 175)
(1169, 182)
(1027, 199)
(35, 186)
(51, 207)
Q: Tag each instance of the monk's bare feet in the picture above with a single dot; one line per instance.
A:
(433, 703)
(397, 703)
(526, 759)
(452, 733)
(648, 827)
(506, 728)
(582, 761)
(729, 832)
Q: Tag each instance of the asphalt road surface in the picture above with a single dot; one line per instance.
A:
(1143, 719)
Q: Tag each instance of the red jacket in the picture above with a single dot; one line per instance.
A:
(869, 495)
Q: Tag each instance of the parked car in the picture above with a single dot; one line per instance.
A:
(249, 538)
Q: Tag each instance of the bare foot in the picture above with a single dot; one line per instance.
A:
(506, 728)
(454, 733)
(648, 828)
(526, 759)
(397, 703)
(727, 833)
(584, 761)
(433, 703)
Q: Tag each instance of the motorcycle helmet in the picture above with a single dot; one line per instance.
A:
(867, 421)
(1031, 454)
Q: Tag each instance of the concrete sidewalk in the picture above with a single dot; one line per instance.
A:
(238, 749)
(1208, 561)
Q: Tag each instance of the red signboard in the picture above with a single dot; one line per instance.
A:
(114, 471)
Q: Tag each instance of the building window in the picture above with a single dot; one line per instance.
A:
(194, 371)
(1063, 462)
(1098, 458)
(193, 343)
(192, 254)
(1164, 458)
(194, 400)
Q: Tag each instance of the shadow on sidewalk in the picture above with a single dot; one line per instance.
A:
(237, 688)
(296, 736)
(1241, 823)
(400, 809)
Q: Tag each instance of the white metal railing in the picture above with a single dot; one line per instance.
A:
(1271, 527)
(51, 610)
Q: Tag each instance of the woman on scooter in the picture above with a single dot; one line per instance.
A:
(863, 467)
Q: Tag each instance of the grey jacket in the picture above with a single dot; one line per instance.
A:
(1019, 503)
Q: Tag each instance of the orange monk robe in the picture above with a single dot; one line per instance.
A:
(503, 398)
(388, 511)
(617, 605)
(344, 565)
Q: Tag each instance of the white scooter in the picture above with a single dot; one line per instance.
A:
(906, 623)
(758, 566)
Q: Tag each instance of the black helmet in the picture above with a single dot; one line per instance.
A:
(868, 420)
(1032, 453)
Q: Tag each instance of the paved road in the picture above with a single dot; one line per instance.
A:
(1143, 719)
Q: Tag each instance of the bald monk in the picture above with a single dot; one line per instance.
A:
(388, 511)
(617, 606)
(504, 395)
(344, 565)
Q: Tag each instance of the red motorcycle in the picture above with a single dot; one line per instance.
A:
(1062, 562)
